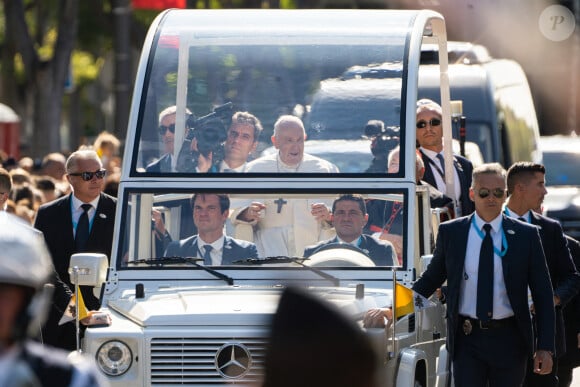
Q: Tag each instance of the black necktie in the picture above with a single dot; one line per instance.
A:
(207, 255)
(485, 277)
(82, 234)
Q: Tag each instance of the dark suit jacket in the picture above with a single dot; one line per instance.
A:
(565, 278)
(54, 219)
(163, 164)
(381, 252)
(234, 249)
(523, 265)
(572, 318)
(464, 170)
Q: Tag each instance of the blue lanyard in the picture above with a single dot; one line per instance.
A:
(495, 249)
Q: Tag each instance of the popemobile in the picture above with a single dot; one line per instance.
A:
(177, 319)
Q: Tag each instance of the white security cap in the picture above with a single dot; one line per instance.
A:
(24, 258)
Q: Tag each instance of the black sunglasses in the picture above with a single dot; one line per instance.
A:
(163, 129)
(433, 122)
(87, 176)
(497, 192)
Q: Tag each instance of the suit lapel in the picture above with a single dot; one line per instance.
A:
(535, 220)
(194, 250)
(461, 246)
(98, 220)
(428, 176)
(69, 221)
(511, 239)
(228, 254)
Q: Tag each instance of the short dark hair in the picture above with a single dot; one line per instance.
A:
(522, 171)
(487, 169)
(5, 180)
(224, 200)
(247, 118)
(351, 197)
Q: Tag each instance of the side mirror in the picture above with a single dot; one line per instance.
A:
(92, 269)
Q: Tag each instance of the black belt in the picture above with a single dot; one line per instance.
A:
(468, 323)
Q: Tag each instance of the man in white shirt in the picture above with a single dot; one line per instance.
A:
(430, 139)
(286, 226)
(241, 141)
(210, 212)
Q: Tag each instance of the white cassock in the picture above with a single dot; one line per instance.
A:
(286, 226)
(309, 164)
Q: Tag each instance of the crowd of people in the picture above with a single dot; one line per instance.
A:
(507, 273)
(26, 183)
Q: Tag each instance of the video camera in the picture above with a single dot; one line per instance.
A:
(384, 139)
(210, 132)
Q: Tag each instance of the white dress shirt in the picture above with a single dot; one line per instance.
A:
(468, 293)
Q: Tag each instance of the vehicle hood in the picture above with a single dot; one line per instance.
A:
(227, 306)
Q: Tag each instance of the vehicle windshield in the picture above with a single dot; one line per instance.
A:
(563, 168)
(310, 75)
(262, 229)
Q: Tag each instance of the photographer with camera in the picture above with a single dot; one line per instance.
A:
(203, 147)
(383, 140)
(241, 141)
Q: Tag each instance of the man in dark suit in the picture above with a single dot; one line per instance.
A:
(489, 328)
(210, 212)
(349, 217)
(526, 189)
(167, 133)
(59, 220)
(430, 140)
(571, 359)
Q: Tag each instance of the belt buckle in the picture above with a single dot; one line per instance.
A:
(467, 327)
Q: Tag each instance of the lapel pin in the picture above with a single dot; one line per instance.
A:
(102, 216)
(511, 232)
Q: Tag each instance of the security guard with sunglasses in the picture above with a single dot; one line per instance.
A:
(489, 261)
(430, 141)
(81, 221)
(526, 188)
(166, 129)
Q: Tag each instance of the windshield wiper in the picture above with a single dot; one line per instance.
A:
(284, 259)
(269, 260)
(191, 260)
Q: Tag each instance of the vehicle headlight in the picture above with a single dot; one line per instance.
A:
(114, 358)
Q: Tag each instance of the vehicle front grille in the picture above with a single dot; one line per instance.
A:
(193, 361)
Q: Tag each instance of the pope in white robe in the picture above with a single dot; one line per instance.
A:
(283, 226)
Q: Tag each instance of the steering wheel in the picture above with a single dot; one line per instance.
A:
(339, 254)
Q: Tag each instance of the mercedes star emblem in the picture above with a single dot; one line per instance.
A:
(233, 360)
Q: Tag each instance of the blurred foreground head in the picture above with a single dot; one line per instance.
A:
(312, 344)
(25, 268)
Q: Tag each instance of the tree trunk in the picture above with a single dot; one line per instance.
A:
(45, 80)
(123, 76)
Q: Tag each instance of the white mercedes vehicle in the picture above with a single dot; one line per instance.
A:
(178, 321)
